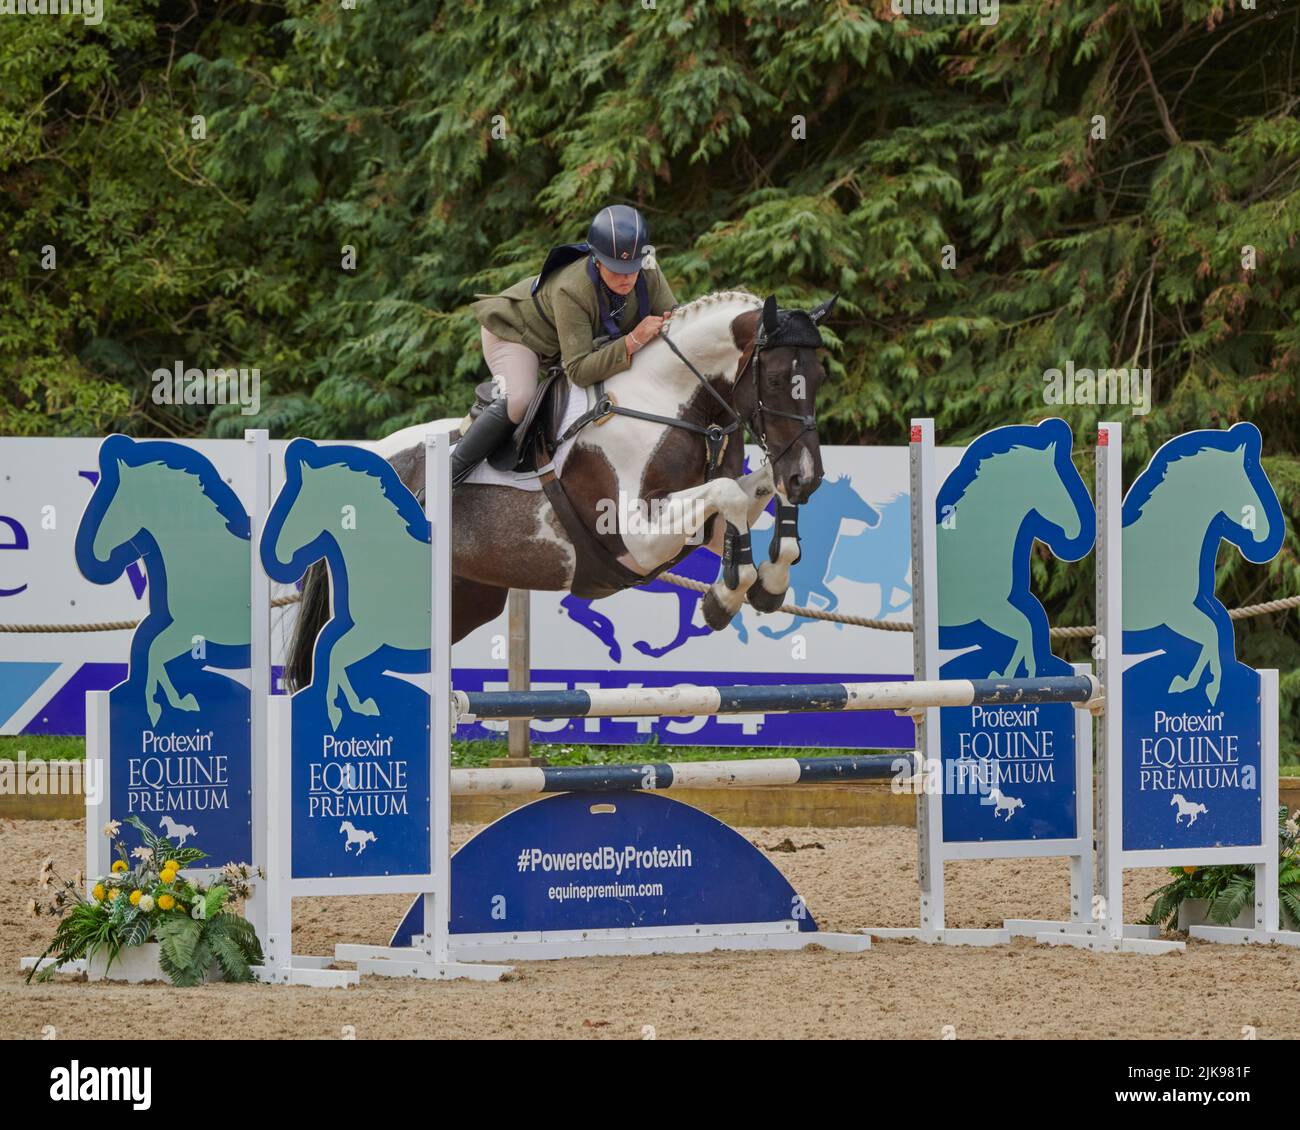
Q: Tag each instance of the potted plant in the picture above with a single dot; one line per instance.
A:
(146, 920)
(1225, 895)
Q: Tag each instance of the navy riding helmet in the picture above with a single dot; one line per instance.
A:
(619, 238)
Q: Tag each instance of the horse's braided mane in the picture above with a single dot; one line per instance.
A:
(688, 309)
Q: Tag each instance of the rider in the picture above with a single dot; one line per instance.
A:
(592, 306)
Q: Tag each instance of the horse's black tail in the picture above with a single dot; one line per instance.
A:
(313, 611)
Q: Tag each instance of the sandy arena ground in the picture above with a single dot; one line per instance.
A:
(850, 878)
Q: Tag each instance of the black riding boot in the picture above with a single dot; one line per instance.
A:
(491, 426)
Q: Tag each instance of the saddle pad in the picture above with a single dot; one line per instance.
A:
(578, 403)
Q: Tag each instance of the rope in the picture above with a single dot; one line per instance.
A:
(800, 610)
(110, 625)
(1075, 633)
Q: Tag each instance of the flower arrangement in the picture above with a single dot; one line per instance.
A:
(1229, 889)
(195, 925)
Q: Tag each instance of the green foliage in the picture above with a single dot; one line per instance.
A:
(189, 947)
(450, 144)
(1229, 890)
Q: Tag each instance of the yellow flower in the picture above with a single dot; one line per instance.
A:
(166, 902)
(119, 866)
(98, 892)
(135, 897)
(170, 868)
(113, 894)
(1189, 870)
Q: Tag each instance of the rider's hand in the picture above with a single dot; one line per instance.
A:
(646, 330)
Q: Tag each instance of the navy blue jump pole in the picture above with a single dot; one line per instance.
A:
(688, 700)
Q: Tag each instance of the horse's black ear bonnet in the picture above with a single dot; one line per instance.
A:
(796, 328)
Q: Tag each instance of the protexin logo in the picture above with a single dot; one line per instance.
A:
(75, 1083)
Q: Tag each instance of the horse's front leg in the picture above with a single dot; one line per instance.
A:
(773, 574)
(678, 520)
(783, 553)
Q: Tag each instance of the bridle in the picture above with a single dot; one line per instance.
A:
(789, 331)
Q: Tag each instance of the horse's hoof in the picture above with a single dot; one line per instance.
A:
(715, 613)
(189, 702)
(368, 707)
(763, 600)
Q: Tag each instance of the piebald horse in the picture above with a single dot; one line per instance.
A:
(727, 362)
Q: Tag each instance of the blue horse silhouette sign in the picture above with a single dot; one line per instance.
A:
(360, 780)
(178, 730)
(1013, 767)
(1191, 709)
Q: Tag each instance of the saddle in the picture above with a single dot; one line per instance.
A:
(539, 427)
(528, 450)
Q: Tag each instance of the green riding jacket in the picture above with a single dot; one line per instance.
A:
(568, 299)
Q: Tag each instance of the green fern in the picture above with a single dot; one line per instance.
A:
(178, 938)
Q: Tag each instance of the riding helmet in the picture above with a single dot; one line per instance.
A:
(619, 238)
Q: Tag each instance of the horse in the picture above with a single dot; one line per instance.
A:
(1200, 489)
(880, 555)
(355, 835)
(314, 517)
(1012, 487)
(178, 832)
(1003, 803)
(672, 433)
(158, 502)
(1188, 808)
(702, 565)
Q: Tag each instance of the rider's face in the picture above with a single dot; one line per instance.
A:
(619, 284)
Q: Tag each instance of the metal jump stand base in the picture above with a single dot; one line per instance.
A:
(415, 961)
(1236, 936)
(1136, 939)
(469, 951)
(944, 937)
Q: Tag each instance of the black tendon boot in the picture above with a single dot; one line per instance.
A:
(489, 429)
